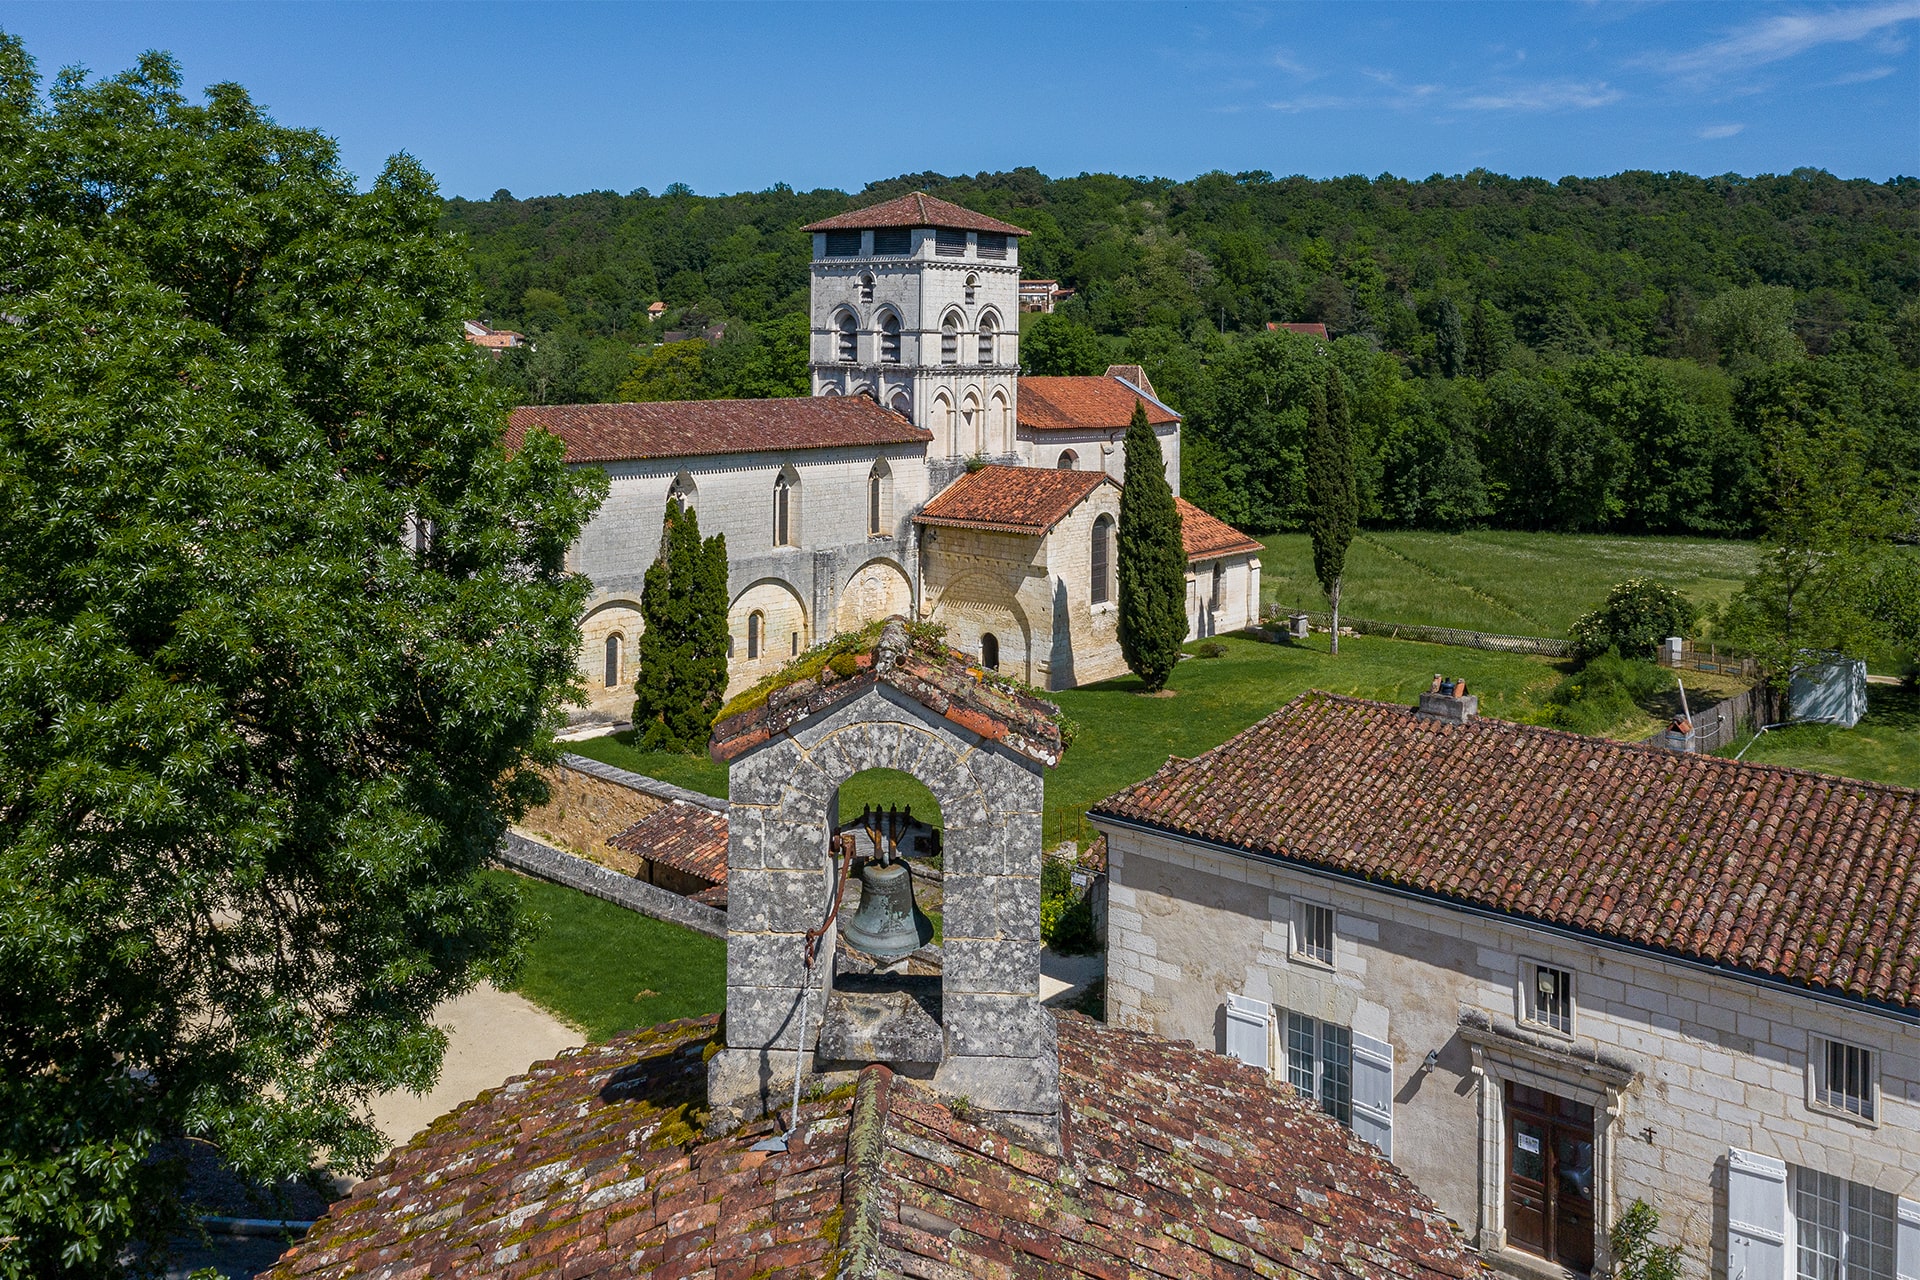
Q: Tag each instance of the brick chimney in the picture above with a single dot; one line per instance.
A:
(1448, 700)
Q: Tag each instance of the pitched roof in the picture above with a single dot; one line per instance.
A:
(1205, 536)
(1179, 1162)
(1006, 499)
(1101, 403)
(686, 837)
(1311, 330)
(695, 428)
(1782, 873)
(917, 209)
(908, 662)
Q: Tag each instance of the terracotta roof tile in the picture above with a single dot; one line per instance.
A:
(1100, 403)
(1791, 875)
(1311, 330)
(1011, 499)
(1206, 536)
(917, 209)
(694, 428)
(1178, 1162)
(686, 837)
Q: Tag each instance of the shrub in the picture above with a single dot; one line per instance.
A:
(1211, 649)
(1606, 691)
(1066, 914)
(1638, 614)
(1635, 1255)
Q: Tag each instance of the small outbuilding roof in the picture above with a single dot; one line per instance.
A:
(698, 428)
(1206, 537)
(1003, 499)
(916, 209)
(1177, 1162)
(686, 837)
(1092, 403)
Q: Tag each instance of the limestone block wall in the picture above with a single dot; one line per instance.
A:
(977, 583)
(1239, 605)
(1096, 450)
(586, 810)
(1085, 637)
(1715, 1061)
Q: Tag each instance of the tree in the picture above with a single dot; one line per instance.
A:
(1638, 614)
(1054, 346)
(283, 633)
(683, 644)
(1153, 560)
(1751, 327)
(1333, 506)
(671, 371)
(1635, 1255)
(1449, 341)
(1483, 349)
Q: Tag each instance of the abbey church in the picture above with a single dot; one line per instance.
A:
(923, 477)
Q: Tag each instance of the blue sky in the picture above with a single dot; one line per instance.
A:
(541, 98)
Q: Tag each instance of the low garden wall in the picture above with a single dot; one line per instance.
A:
(593, 802)
(1541, 645)
(543, 861)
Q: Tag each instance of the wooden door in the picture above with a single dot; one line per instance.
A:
(1550, 1176)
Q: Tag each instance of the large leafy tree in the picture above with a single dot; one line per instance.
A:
(282, 634)
(1333, 504)
(683, 646)
(1153, 559)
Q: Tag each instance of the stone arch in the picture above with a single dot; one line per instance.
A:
(684, 488)
(945, 441)
(889, 326)
(879, 588)
(902, 404)
(951, 325)
(989, 336)
(1068, 460)
(973, 424)
(846, 337)
(999, 424)
(783, 615)
(977, 604)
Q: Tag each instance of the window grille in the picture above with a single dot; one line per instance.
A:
(1320, 1064)
(1846, 1231)
(949, 341)
(843, 244)
(950, 244)
(1313, 932)
(890, 339)
(1100, 586)
(1843, 1078)
(991, 244)
(893, 241)
(847, 347)
(1549, 998)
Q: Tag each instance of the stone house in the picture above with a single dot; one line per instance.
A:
(1551, 975)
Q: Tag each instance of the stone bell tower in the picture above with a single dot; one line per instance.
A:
(916, 302)
(978, 1029)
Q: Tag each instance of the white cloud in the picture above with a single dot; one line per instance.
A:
(1284, 60)
(1547, 95)
(1863, 77)
(1789, 34)
(1714, 132)
(1392, 95)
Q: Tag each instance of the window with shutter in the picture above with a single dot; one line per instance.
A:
(1841, 1230)
(950, 340)
(1756, 1217)
(992, 244)
(1247, 1022)
(1906, 1254)
(950, 244)
(843, 244)
(893, 241)
(847, 341)
(889, 338)
(1320, 1064)
(1373, 1091)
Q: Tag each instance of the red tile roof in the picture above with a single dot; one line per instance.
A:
(917, 209)
(1206, 536)
(1782, 873)
(1311, 330)
(686, 837)
(1011, 499)
(1100, 403)
(1179, 1162)
(695, 428)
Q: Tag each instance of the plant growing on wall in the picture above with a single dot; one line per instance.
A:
(682, 655)
(1333, 504)
(1153, 560)
(1635, 1255)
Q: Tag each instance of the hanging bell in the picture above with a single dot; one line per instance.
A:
(888, 925)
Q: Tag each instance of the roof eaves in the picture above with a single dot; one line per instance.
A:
(1149, 396)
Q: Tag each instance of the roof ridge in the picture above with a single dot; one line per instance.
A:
(860, 1195)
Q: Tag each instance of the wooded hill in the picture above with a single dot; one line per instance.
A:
(1586, 354)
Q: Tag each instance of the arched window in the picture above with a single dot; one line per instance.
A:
(972, 424)
(990, 651)
(1219, 592)
(903, 404)
(988, 332)
(847, 340)
(889, 338)
(1101, 584)
(866, 287)
(683, 491)
(879, 499)
(943, 425)
(756, 629)
(613, 661)
(973, 283)
(1068, 460)
(783, 522)
(1002, 424)
(950, 339)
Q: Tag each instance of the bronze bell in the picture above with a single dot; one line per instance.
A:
(888, 924)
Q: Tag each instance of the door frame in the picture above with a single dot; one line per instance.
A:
(1551, 1127)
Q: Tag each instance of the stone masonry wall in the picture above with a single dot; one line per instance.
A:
(592, 802)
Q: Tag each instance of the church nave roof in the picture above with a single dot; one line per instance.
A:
(697, 428)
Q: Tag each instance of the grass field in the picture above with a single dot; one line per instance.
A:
(1528, 584)
(1883, 747)
(880, 787)
(606, 969)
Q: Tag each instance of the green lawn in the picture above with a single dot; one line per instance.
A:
(1532, 584)
(881, 787)
(1883, 747)
(606, 970)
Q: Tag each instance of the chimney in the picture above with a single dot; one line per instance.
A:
(1447, 699)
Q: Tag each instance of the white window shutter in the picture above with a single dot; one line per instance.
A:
(1906, 1255)
(1373, 1091)
(1756, 1217)
(1247, 1022)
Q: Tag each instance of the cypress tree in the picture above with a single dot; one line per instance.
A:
(1333, 504)
(682, 655)
(1152, 560)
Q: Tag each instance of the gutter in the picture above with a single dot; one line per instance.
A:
(1859, 1004)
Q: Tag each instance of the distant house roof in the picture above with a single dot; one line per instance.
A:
(1102, 403)
(1311, 330)
(697, 428)
(915, 210)
(1178, 1162)
(1785, 874)
(655, 308)
(481, 335)
(1206, 537)
(1004, 499)
(683, 836)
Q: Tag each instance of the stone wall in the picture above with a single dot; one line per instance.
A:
(1097, 450)
(593, 802)
(544, 862)
(1713, 1061)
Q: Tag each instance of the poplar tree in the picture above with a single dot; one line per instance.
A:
(1333, 505)
(1153, 560)
(682, 655)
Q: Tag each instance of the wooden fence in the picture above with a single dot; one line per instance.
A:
(1710, 659)
(1726, 722)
